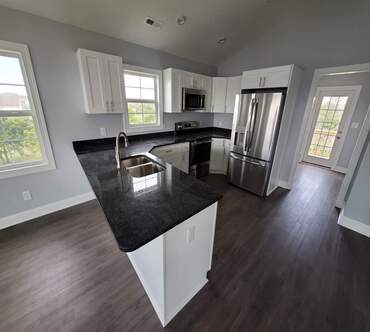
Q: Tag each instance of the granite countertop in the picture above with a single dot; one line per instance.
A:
(140, 209)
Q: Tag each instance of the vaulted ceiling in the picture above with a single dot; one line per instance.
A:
(207, 21)
(240, 21)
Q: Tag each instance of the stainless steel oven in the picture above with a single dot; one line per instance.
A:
(193, 99)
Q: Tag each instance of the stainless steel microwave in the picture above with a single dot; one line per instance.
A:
(193, 99)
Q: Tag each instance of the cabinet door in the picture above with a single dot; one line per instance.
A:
(233, 88)
(219, 94)
(187, 79)
(114, 86)
(251, 79)
(92, 71)
(276, 79)
(176, 91)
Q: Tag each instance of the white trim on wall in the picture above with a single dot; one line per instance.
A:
(354, 93)
(23, 216)
(353, 225)
(356, 154)
(47, 162)
(310, 103)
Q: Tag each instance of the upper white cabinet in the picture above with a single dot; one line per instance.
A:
(224, 91)
(173, 82)
(233, 88)
(219, 86)
(274, 77)
(102, 77)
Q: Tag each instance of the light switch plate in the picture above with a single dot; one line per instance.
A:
(103, 132)
(26, 195)
(354, 125)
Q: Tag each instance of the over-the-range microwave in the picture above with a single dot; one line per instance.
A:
(193, 99)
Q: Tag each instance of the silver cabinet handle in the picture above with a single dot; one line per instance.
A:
(259, 84)
(107, 106)
(112, 106)
(264, 81)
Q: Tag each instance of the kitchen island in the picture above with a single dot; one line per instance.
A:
(165, 221)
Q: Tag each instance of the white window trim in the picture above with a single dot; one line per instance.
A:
(47, 163)
(145, 128)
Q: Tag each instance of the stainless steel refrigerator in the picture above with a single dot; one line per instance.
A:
(255, 132)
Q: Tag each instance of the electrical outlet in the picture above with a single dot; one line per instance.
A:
(103, 132)
(26, 195)
(190, 234)
(219, 123)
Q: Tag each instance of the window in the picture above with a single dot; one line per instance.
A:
(327, 126)
(24, 143)
(143, 95)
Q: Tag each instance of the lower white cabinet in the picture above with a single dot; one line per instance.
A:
(219, 155)
(173, 267)
(174, 154)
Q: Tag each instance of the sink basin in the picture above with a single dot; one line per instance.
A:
(144, 170)
(140, 166)
(135, 161)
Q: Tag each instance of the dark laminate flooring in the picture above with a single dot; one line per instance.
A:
(280, 264)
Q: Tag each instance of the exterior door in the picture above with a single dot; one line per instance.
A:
(333, 110)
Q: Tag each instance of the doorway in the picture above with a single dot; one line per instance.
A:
(332, 113)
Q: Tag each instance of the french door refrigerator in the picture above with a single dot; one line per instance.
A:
(255, 131)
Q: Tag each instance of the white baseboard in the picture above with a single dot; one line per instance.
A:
(23, 216)
(284, 184)
(353, 225)
(339, 169)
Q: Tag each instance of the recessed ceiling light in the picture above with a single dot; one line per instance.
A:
(181, 20)
(221, 40)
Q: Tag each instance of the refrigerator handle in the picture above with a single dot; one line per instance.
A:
(253, 121)
(247, 128)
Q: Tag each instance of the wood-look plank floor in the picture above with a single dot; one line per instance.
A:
(280, 264)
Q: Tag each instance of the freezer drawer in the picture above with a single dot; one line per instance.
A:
(248, 173)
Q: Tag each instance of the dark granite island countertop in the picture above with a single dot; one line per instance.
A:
(140, 209)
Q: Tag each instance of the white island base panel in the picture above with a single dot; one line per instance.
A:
(173, 267)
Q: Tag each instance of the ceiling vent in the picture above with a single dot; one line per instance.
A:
(152, 22)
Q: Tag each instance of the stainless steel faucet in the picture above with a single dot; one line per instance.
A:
(118, 156)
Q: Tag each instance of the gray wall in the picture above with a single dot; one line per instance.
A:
(310, 34)
(357, 203)
(363, 103)
(52, 46)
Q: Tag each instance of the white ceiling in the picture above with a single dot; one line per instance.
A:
(207, 21)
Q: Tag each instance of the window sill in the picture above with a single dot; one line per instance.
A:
(144, 129)
(25, 170)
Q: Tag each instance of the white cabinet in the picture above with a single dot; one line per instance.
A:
(273, 77)
(233, 88)
(174, 80)
(174, 154)
(224, 90)
(102, 77)
(173, 267)
(219, 85)
(219, 155)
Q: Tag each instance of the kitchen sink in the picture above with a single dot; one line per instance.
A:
(144, 170)
(135, 161)
(140, 166)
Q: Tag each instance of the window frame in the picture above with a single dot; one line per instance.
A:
(47, 162)
(149, 72)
